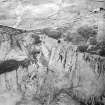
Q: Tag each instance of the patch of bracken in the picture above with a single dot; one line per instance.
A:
(92, 41)
(82, 48)
(37, 39)
(87, 31)
(99, 49)
(74, 38)
(93, 47)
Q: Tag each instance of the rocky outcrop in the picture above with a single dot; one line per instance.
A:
(50, 73)
(79, 71)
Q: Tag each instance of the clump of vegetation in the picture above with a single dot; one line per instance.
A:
(68, 37)
(89, 34)
(91, 41)
(86, 32)
(82, 48)
(100, 48)
(53, 33)
(74, 38)
(37, 39)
